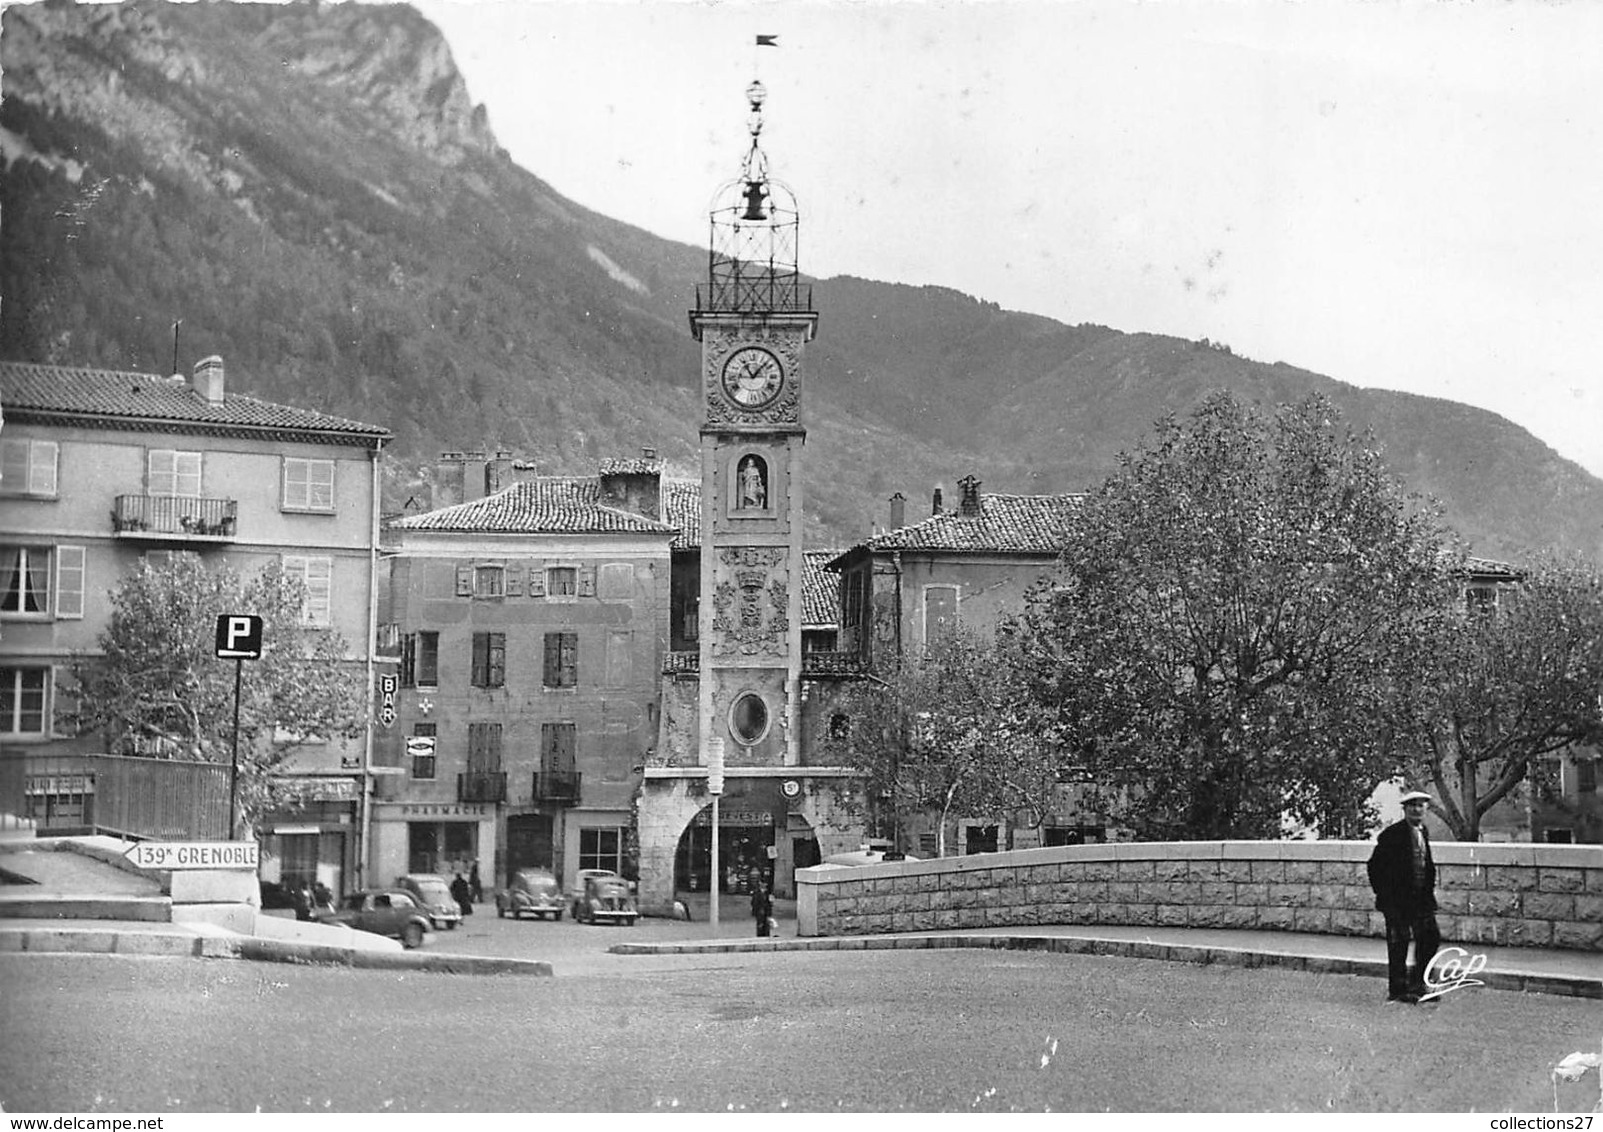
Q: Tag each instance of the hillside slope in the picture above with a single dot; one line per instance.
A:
(310, 190)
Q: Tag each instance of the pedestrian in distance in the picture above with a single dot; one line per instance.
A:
(462, 894)
(475, 886)
(1403, 876)
(762, 906)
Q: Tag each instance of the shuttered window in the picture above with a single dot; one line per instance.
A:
(561, 660)
(489, 660)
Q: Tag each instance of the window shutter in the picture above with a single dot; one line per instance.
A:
(587, 582)
(553, 659)
(69, 581)
(464, 581)
(537, 579)
(42, 481)
(514, 579)
(481, 659)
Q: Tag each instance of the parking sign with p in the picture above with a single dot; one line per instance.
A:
(239, 636)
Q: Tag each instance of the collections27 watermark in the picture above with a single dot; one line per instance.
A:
(1451, 969)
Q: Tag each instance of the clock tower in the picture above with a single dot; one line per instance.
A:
(753, 318)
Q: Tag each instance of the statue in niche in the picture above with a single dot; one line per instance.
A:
(751, 485)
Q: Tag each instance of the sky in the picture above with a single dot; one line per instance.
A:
(1398, 195)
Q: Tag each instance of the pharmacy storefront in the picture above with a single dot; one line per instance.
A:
(432, 837)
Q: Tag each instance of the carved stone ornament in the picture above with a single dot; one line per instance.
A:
(719, 345)
(751, 605)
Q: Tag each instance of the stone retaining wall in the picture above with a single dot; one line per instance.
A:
(1506, 895)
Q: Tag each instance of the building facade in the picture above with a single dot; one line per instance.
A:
(104, 468)
(525, 631)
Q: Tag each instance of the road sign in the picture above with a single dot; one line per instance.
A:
(715, 765)
(194, 854)
(239, 636)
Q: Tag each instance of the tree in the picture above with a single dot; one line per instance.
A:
(944, 735)
(1491, 689)
(156, 685)
(1212, 651)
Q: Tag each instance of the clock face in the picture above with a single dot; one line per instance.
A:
(752, 377)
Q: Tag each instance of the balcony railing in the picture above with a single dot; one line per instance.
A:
(180, 517)
(559, 786)
(482, 786)
(681, 663)
(831, 663)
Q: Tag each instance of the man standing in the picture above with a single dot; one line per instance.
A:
(1403, 875)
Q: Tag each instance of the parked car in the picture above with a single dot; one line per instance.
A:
(532, 890)
(579, 879)
(382, 912)
(433, 893)
(607, 899)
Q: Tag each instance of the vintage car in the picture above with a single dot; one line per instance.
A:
(532, 890)
(383, 912)
(607, 899)
(433, 893)
(579, 878)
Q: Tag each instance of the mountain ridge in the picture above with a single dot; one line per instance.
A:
(312, 191)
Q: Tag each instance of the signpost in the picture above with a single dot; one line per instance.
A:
(174, 855)
(239, 638)
(715, 787)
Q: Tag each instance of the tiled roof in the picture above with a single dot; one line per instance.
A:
(1491, 566)
(547, 505)
(820, 590)
(125, 399)
(1012, 524)
(630, 465)
(681, 509)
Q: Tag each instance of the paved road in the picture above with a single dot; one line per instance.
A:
(868, 1031)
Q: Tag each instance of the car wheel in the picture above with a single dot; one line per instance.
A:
(450, 925)
(502, 912)
(555, 916)
(412, 937)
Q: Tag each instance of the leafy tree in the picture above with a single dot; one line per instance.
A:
(1491, 689)
(157, 685)
(1213, 650)
(944, 735)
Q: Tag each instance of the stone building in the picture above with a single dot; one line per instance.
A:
(103, 468)
(527, 627)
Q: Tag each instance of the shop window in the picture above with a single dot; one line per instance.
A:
(601, 849)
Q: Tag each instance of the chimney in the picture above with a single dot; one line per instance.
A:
(448, 480)
(648, 453)
(969, 506)
(935, 503)
(209, 379)
(498, 472)
(898, 511)
(475, 475)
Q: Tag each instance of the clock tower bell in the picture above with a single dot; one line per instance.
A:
(753, 318)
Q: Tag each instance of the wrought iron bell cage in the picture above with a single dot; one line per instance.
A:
(752, 247)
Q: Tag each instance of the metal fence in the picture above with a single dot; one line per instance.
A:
(122, 795)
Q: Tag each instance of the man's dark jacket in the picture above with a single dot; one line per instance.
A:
(1391, 872)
